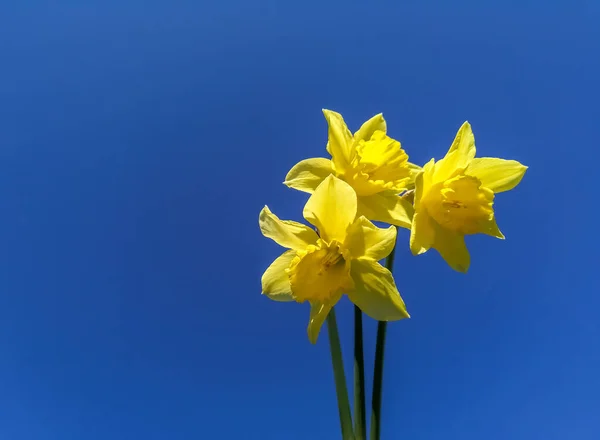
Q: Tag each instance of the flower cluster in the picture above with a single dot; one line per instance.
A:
(369, 178)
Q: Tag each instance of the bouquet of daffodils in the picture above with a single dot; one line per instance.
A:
(369, 178)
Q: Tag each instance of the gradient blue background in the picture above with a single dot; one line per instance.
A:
(139, 141)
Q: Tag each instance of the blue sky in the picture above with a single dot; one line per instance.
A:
(138, 143)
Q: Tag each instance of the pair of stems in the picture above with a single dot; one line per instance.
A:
(359, 430)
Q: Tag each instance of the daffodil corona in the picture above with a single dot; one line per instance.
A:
(342, 258)
(454, 197)
(370, 161)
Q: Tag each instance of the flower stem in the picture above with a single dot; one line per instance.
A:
(360, 423)
(340, 378)
(378, 369)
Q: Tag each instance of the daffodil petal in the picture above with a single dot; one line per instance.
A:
(422, 233)
(387, 208)
(375, 292)
(275, 281)
(452, 248)
(367, 240)
(461, 152)
(339, 140)
(318, 314)
(332, 208)
(307, 174)
(497, 174)
(464, 143)
(491, 228)
(422, 182)
(365, 132)
(289, 234)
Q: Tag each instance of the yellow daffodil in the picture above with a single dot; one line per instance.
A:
(370, 161)
(341, 258)
(454, 197)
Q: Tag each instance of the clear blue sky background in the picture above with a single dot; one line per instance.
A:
(139, 141)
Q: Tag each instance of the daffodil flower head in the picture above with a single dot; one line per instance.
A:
(454, 197)
(370, 161)
(342, 258)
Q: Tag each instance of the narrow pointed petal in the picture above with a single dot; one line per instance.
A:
(491, 228)
(332, 208)
(453, 249)
(464, 143)
(422, 233)
(306, 175)
(461, 152)
(497, 174)
(367, 240)
(375, 292)
(318, 314)
(376, 123)
(387, 208)
(339, 140)
(286, 233)
(275, 281)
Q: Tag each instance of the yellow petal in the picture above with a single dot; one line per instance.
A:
(365, 132)
(461, 152)
(452, 248)
(422, 182)
(332, 208)
(275, 281)
(491, 228)
(387, 208)
(422, 233)
(497, 174)
(375, 292)
(339, 140)
(318, 314)
(306, 175)
(464, 143)
(286, 233)
(367, 240)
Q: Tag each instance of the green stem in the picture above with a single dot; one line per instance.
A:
(340, 378)
(360, 423)
(378, 369)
